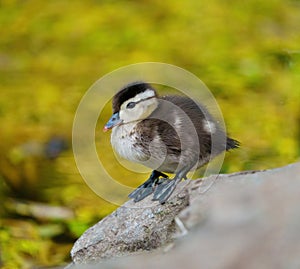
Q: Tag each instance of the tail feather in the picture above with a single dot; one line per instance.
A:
(232, 144)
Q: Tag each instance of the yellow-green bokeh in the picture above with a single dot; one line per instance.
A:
(51, 52)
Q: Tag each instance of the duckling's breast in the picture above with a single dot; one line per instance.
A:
(124, 140)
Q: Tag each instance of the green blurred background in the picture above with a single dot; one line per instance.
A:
(51, 52)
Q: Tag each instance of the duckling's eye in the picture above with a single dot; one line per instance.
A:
(130, 105)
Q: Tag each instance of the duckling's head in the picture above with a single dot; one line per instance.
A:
(132, 103)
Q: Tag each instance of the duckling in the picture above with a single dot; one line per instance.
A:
(171, 134)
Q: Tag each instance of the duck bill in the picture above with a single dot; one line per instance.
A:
(113, 121)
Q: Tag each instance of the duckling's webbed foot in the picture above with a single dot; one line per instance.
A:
(148, 186)
(164, 190)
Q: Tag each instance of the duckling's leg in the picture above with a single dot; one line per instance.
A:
(147, 187)
(164, 190)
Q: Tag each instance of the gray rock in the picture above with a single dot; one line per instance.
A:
(242, 220)
(132, 228)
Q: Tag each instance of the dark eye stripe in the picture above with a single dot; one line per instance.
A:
(131, 105)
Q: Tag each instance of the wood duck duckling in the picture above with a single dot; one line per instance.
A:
(171, 134)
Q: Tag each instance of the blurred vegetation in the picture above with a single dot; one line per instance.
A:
(51, 52)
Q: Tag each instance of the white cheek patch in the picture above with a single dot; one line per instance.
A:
(209, 126)
(122, 115)
(143, 106)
